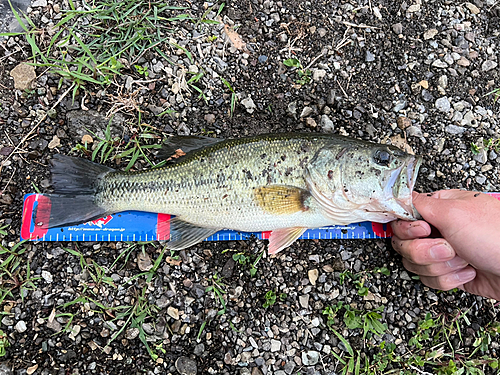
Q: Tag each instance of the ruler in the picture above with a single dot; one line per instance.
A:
(146, 226)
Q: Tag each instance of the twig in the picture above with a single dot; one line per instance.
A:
(360, 26)
(420, 371)
(8, 182)
(36, 126)
(342, 89)
(314, 60)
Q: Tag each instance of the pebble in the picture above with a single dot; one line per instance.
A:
(326, 124)
(186, 366)
(262, 59)
(439, 64)
(304, 301)
(443, 104)
(482, 156)
(275, 345)
(369, 57)
(310, 358)
(47, 276)
(306, 111)
(480, 179)
(249, 104)
(23, 75)
(39, 3)
(313, 276)
(429, 34)
(21, 326)
(173, 312)
(488, 65)
(319, 74)
(397, 28)
(454, 129)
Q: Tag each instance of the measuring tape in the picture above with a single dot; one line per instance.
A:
(147, 226)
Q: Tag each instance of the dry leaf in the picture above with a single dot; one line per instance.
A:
(31, 369)
(174, 262)
(55, 142)
(177, 155)
(144, 261)
(52, 315)
(401, 143)
(235, 39)
(87, 139)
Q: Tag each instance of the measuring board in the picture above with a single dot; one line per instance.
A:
(146, 226)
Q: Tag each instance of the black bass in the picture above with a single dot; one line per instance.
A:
(284, 183)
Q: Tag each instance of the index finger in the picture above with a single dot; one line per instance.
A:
(407, 230)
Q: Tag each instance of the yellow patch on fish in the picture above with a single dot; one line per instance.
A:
(279, 199)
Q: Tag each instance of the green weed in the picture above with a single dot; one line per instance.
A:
(4, 344)
(271, 298)
(304, 74)
(234, 98)
(219, 290)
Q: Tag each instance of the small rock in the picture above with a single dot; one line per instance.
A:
(327, 124)
(144, 261)
(21, 326)
(403, 122)
(397, 28)
(443, 104)
(210, 118)
(473, 9)
(306, 112)
(443, 81)
(183, 129)
(304, 301)
(427, 96)
(400, 105)
(486, 67)
(429, 34)
(439, 64)
(292, 108)
(199, 350)
(262, 59)
(173, 312)
(462, 61)
(319, 74)
(454, 129)
(131, 333)
(39, 3)
(480, 179)
(369, 57)
(424, 83)
(47, 276)
(249, 104)
(186, 366)
(310, 358)
(482, 156)
(313, 276)
(23, 75)
(310, 122)
(275, 345)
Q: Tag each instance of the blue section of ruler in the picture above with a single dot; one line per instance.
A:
(145, 226)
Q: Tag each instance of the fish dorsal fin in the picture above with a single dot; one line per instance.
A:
(281, 199)
(184, 234)
(282, 238)
(179, 145)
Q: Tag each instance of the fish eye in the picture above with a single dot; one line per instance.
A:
(382, 157)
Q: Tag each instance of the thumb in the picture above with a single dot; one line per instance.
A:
(435, 207)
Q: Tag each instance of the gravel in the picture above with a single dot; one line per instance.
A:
(415, 72)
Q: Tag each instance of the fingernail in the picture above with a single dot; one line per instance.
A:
(466, 275)
(417, 231)
(441, 252)
(456, 262)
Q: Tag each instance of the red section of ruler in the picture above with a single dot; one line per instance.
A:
(163, 227)
(43, 206)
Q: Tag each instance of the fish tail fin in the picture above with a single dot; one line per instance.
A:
(75, 182)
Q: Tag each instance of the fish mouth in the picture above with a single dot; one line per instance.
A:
(407, 179)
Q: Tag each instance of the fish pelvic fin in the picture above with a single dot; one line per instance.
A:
(282, 238)
(184, 234)
(281, 199)
(75, 182)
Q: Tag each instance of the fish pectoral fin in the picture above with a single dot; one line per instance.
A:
(178, 146)
(184, 234)
(282, 238)
(281, 199)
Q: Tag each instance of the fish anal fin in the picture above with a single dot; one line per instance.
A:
(281, 199)
(282, 238)
(184, 234)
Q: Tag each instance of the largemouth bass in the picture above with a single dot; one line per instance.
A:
(284, 183)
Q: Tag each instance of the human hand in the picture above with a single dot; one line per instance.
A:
(467, 254)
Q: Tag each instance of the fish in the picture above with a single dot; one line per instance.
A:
(283, 183)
